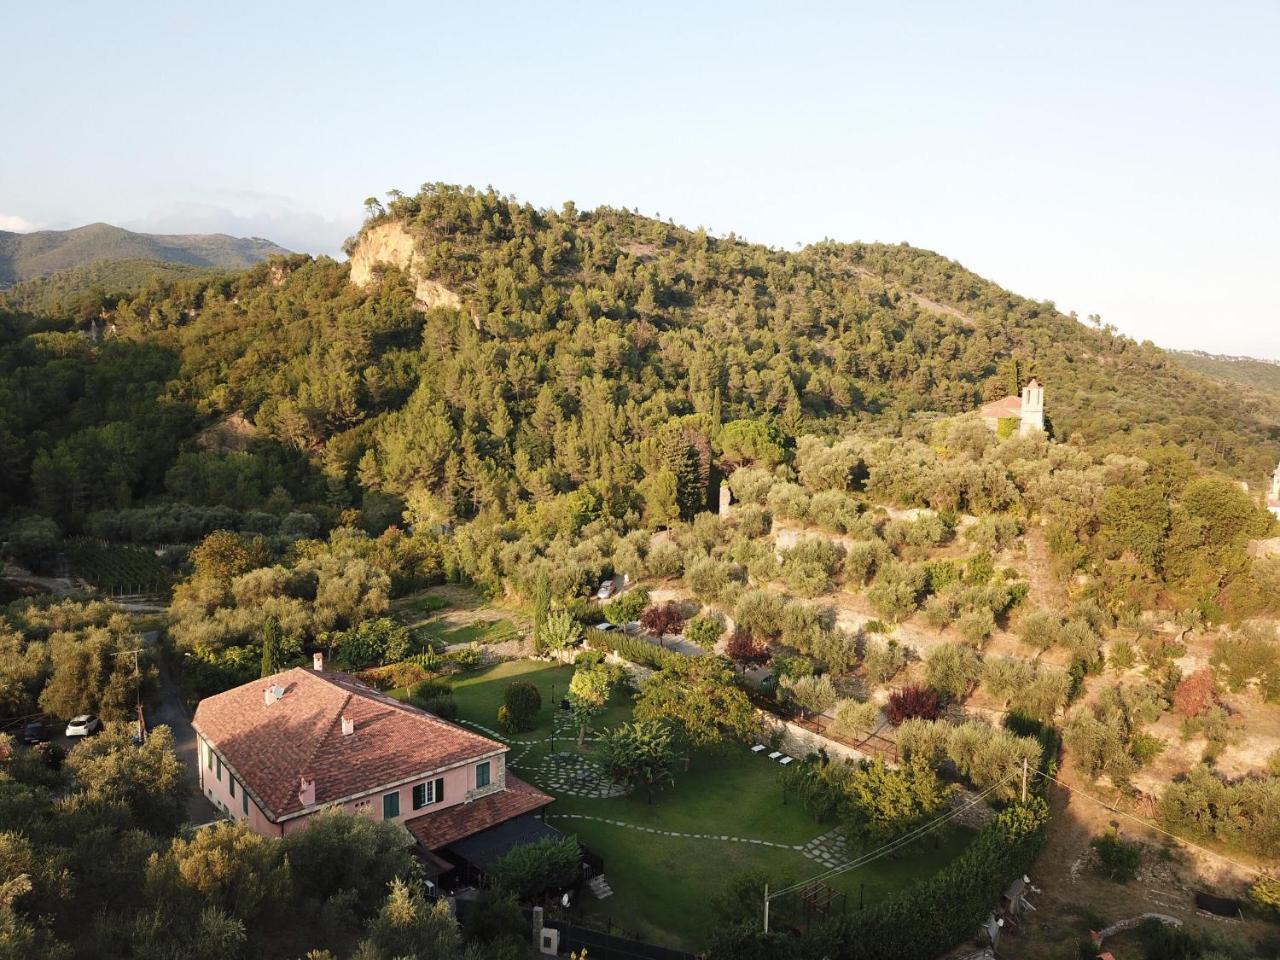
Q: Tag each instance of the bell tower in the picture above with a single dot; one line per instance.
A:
(1032, 416)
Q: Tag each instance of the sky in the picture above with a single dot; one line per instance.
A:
(1119, 159)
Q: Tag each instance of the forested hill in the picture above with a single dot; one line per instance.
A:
(24, 256)
(1261, 375)
(586, 348)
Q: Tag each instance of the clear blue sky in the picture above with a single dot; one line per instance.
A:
(1117, 158)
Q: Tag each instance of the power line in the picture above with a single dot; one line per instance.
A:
(1152, 826)
(893, 845)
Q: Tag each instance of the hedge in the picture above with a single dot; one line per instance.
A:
(923, 921)
(629, 648)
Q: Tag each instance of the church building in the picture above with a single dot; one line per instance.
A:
(1027, 409)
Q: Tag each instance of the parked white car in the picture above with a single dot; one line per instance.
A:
(85, 725)
(605, 591)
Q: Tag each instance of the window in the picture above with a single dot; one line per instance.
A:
(232, 782)
(482, 774)
(219, 760)
(423, 793)
(208, 756)
(390, 805)
(244, 802)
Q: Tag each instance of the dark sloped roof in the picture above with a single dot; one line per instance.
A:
(487, 847)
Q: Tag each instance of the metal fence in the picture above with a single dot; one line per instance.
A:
(602, 945)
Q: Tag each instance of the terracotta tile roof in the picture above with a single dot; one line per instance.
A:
(1004, 407)
(272, 747)
(443, 827)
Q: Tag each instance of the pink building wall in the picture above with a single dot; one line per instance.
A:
(459, 786)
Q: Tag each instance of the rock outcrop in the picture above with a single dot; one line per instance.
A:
(390, 243)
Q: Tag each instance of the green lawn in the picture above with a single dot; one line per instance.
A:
(664, 887)
(481, 631)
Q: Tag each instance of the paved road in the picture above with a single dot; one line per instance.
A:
(172, 712)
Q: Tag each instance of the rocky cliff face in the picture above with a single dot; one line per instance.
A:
(391, 243)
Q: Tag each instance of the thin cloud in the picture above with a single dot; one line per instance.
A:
(16, 224)
(288, 226)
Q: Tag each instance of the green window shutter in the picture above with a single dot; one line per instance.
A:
(244, 802)
(439, 797)
(419, 796)
(219, 761)
(390, 805)
(232, 782)
(482, 774)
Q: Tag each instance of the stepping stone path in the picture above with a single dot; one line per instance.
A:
(600, 887)
(831, 849)
(570, 775)
(670, 833)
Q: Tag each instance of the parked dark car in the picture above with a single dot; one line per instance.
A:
(37, 731)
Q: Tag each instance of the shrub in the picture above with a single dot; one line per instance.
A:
(1195, 694)
(1265, 892)
(940, 610)
(743, 648)
(812, 694)
(626, 606)
(913, 703)
(862, 559)
(663, 619)
(665, 560)
(466, 658)
(560, 631)
(532, 869)
(882, 660)
(1039, 628)
(1121, 656)
(371, 643)
(1118, 861)
(1081, 639)
(976, 626)
(855, 718)
(522, 701)
(704, 630)
(898, 590)
(952, 670)
(759, 613)
(1005, 677)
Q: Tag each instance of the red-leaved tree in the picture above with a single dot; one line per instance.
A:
(661, 619)
(1195, 694)
(910, 703)
(744, 649)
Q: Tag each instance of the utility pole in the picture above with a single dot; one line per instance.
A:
(1024, 779)
(137, 686)
(766, 908)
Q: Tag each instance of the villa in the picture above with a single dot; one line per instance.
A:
(277, 751)
(1273, 495)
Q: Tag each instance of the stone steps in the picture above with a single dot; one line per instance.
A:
(600, 887)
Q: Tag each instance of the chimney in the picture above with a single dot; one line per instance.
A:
(348, 726)
(307, 791)
(269, 696)
(317, 661)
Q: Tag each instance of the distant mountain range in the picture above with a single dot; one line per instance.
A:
(27, 256)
